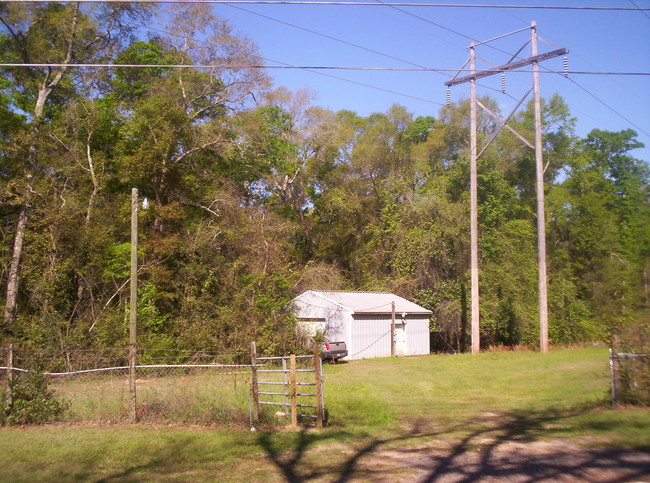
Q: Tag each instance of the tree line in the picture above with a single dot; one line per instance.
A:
(258, 194)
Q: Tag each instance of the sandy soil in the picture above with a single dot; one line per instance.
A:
(505, 462)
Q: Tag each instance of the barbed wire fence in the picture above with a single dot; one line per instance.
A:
(172, 386)
(630, 371)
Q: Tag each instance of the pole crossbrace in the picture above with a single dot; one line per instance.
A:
(507, 67)
(504, 124)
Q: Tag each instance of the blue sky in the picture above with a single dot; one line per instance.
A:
(601, 41)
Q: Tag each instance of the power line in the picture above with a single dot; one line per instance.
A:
(345, 42)
(644, 13)
(610, 108)
(314, 32)
(312, 67)
(424, 20)
(564, 73)
(306, 69)
(360, 4)
(317, 69)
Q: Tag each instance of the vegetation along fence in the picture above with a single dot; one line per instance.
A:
(630, 377)
(157, 386)
(98, 386)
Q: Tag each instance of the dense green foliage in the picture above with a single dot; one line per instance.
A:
(257, 195)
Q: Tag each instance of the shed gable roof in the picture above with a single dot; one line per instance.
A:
(364, 302)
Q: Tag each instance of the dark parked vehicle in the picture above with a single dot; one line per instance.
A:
(333, 351)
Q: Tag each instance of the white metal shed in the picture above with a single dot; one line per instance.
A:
(363, 321)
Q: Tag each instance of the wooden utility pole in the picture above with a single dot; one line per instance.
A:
(318, 380)
(473, 195)
(392, 329)
(541, 217)
(133, 302)
(539, 167)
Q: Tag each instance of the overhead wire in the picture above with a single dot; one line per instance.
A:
(633, 124)
(547, 70)
(320, 34)
(358, 3)
(288, 66)
(356, 45)
(642, 11)
(315, 69)
(601, 101)
(395, 7)
(307, 67)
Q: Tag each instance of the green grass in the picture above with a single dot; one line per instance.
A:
(203, 398)
(450, 389)
(446, 402)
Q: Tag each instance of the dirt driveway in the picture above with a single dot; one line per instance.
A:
(425, 457)
(510, 462)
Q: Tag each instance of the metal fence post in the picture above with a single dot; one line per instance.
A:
(287, 410)
(254, 389)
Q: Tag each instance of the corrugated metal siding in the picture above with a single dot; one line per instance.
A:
(313, 308)
(366, 335)
(370, 337)
(417, 333)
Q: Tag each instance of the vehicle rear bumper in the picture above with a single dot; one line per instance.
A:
(334, 355)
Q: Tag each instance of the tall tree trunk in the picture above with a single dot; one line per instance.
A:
(12, 281)
(14, 268)
(93, 177)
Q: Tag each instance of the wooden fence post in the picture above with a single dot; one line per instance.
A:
(318, 381)
(10, 374)
(293, 394)
(616, 371)
(254, 388)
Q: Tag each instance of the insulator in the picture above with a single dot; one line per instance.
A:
(503, 82)
(565, 66)
(448, 96)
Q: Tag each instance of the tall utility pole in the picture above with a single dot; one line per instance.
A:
(541, 216)
(473, 195)
(134, 267)
(133, 303)
(539, 167)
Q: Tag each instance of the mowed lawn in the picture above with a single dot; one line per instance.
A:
(453, 404)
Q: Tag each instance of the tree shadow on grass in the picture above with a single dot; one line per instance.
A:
(507, 446)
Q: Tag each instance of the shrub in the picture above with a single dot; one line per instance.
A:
(31, 401)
